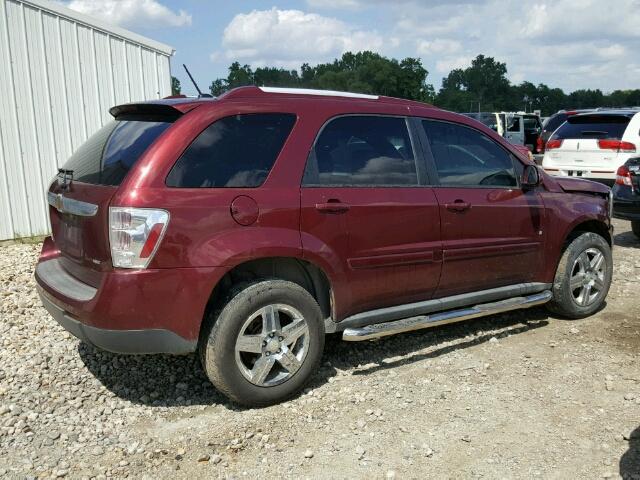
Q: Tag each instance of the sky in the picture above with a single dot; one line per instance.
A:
(571, 44)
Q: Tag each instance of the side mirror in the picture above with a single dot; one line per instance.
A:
(530, 177)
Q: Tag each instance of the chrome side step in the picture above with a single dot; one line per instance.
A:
(426, 321)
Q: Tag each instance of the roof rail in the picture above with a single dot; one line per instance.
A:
(324, 93)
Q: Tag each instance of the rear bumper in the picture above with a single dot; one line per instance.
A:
(626, 204)
(129, 311)
(119, 341)
(608, 178)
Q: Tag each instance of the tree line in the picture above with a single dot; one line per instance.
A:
(483, 86)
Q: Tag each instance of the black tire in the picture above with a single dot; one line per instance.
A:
(564, 301)
(218, 345)
(635, 227)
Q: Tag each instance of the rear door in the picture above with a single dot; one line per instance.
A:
(80, 195)
(588, 142)
(492, 230)
(366, 206)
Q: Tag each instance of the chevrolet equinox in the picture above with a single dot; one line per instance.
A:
(248, 226)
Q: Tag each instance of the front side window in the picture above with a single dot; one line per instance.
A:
(236, 151)
(466, 157)
(362, 151)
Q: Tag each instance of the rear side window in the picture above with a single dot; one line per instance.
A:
(362, 151)
(593, 126)
(109, 154)
(236, 151)
(466, 157)
(555, 121)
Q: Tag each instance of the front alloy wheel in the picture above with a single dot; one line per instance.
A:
(583, 276)
(588, 277)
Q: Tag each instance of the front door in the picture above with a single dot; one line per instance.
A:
(364, 205)
(492, 230)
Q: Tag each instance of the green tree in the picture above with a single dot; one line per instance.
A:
(363, 72)
(483, 85)
(175, 86)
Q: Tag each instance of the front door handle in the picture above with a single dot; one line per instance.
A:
(458, 206)
(332, 206)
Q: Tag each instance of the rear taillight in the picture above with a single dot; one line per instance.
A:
(618, 145)
(135, 234)
(551, 144)
(540, 145)
(623, 176)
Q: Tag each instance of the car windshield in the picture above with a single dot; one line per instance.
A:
(593, 126)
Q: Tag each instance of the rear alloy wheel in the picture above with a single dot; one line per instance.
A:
(272, 345)
(265, 343)
(583, 277)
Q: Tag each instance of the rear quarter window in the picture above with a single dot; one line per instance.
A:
(235, 151)
(593, 126)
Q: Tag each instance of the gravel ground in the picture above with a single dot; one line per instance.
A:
(519, 395)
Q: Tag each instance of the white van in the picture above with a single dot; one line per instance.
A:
(519, 128)
(593, 145)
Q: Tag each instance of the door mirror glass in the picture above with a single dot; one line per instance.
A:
(530, 177)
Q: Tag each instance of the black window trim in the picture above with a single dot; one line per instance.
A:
(275, 162)
(431, 165)
(422, 172)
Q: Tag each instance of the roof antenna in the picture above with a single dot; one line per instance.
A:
(200, 94)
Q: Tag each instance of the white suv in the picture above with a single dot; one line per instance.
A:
(593, 145)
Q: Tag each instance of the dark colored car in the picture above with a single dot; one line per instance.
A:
(246, 227)
(551, 125)
(626, 194)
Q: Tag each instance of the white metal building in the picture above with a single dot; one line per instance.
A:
(60, 71)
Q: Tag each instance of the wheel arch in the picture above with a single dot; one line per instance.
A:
(591, 225)
(302, 272)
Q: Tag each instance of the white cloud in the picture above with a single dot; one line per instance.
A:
(438, 46)
(335, 4)
(590, 44)
(129, 13)
(289, 38)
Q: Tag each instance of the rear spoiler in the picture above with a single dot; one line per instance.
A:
(168, 109)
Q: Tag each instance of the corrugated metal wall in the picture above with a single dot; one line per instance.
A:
(59, 74)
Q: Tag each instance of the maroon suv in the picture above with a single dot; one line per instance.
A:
(248, 226)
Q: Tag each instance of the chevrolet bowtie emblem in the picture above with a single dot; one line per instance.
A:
(59, 202)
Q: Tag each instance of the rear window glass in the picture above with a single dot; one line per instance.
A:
(236, 151)
(593, 126)
(554, 121)
(109, 154)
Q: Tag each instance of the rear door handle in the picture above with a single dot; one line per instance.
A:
(332, 206)
(458, 206)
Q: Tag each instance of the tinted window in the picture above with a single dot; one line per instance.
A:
(515, 124)
(593, 126)
(111, 152)
(237, 151)
(530, 124)
(362, 151)
(465, 157)
(554, 121)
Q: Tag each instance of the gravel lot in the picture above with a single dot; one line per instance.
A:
(518, 395)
